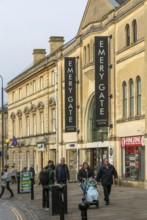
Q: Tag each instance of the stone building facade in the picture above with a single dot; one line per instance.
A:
(36, 97)
(5, 134)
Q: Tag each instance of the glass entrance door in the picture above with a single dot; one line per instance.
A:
(72, 163)
(102, 154)
(99, 154)
(94, 157)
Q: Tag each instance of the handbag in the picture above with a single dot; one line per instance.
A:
(3, 184)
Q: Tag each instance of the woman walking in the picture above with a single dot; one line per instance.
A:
(6, 182)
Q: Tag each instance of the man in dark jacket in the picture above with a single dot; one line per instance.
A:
(105, 175)
(46, 187)
(62, 172)
(32, 170)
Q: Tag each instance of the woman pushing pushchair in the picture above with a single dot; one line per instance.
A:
(88, 185)
(84, 173)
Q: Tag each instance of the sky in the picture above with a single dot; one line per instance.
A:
(27, 24)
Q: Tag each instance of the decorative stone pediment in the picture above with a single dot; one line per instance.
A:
(52, 101)
(12, 116)
(26, 110)
(94, 12)
(40, 105)
(33, 108)
(19, 113)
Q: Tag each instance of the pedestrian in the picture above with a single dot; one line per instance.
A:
(6, 183)
(13, 175)
(85, 172)
(62, 172)
(50, 164)
(3, 169)
(32, 170)
(47, 178)
(105, 176)
(24, 170)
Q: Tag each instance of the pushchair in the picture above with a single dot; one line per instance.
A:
(90, 192)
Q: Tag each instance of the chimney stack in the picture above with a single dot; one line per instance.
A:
(55, 43)
(38, 54)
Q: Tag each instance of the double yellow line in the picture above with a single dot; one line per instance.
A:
(17, 214)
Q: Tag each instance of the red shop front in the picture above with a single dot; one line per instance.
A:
(133, 158)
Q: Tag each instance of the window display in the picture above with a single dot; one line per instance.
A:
(132, 163)
(133, 158)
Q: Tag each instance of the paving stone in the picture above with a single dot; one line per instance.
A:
(126, 203)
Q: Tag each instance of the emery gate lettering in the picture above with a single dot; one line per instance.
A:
(101, 81)
(70, 95)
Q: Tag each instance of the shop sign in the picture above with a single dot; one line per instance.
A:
(101, 81)
(137, 141)
(71, 145)
(70, 94)
(25, 182)
(41, 146)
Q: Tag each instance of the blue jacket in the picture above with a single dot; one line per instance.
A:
(58, 173)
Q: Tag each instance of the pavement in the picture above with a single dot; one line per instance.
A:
(126, 203)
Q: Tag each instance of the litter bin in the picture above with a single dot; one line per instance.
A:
(54, 200)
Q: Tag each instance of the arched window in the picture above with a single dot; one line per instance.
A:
(134, 27)
(94, 133)
(138, 90)
(124, 91)
(88, 53)
(127, 35)
(84, 55)
(131, 92)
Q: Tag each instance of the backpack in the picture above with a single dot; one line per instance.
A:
(44, 177)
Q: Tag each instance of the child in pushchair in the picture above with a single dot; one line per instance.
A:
(90, 192)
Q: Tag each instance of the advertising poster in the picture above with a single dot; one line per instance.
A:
(111, 156)
(25, 182)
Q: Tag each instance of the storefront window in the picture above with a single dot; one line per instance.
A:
(133, 163)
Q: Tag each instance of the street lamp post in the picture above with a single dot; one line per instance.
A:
(2, 120)
(7, 141)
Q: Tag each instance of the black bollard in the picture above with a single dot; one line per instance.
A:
(43, 197)
(32, 188)
(83, 206)
(18, 183)
(61, 201)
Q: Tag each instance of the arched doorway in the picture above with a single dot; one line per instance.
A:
(94, 133)
(97, 141)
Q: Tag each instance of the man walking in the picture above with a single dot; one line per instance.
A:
(49, 180)
(105, 175)
(13, 175)
(62, 172)
(32, 170)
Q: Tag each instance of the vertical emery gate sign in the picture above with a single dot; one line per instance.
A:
(101, 81)
(70, 94)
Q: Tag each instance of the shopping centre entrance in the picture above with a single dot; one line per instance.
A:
(94, 157)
